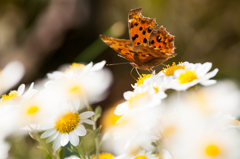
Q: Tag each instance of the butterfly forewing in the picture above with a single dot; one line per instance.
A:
(122, 46)
(140, 27)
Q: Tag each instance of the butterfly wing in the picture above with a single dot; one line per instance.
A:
(162, 40)
(140, 27)
(121, 46)
(148, 57)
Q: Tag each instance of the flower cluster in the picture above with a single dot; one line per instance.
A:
(55, 106)
(200, 123)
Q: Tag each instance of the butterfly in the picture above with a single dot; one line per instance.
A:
(147, 47)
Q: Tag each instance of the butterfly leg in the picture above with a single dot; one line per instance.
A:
(132, 74)
(163, 64)
(138, 73)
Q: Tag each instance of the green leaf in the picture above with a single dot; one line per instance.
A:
(98, 112)
(154, 144)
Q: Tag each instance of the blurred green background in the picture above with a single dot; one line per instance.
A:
(44, 34)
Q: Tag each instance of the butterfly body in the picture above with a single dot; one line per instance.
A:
(147, 47)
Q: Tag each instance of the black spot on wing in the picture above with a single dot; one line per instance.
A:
(145, 40)
(135, 36)
(149, 30)
(159, 39)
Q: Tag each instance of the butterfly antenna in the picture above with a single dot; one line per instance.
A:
(117, 63)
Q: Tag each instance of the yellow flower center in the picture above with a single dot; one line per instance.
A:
(141, 80)
(67, 122)
(104, 156)
(169, 131)
(114, 118)
(156, 89)
(237, 122)
(140, 157)
(74, 89)
(9, 97)
(212, 150)
(169, 71)
(32, 110)
(75, 67)
(187, 77)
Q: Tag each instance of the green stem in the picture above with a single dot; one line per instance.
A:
(94, 128)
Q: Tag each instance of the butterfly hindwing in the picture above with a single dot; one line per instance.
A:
(150, 56)
(122, 46)
(162, 40)
(140, 27)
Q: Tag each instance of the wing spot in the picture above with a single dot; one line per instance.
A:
(149, 30)
(159, 46)
(165, 42)
(119, 44)
(140, 28)
(152, 42)
(138, 43)
(135, 36)
(144, 32)
(159, 39)
(136, 24)
(145, 40)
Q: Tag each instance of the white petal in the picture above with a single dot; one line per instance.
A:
(127, 95)
(64, 139)
(88, 121)
(74, 139)
(98, 66)
(121, 108)
(80, 130)
(86, 114)
(31, 86)
(11, 74)
(53, 137)
(48, 84)
(204, 69)
(208, 82)
(210, 74)
(21, 89)
(48, 133)
(57, 143)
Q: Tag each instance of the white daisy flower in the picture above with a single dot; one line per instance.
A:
(145, 155)
(86, 87)
(197, 73)
(77, 68)
(16, 96)
(10, 75)
(139, 99)
(217, 100)
(120, 135)
(207, 142)
(66, 126)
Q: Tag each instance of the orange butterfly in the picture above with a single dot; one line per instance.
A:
(147, 47)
